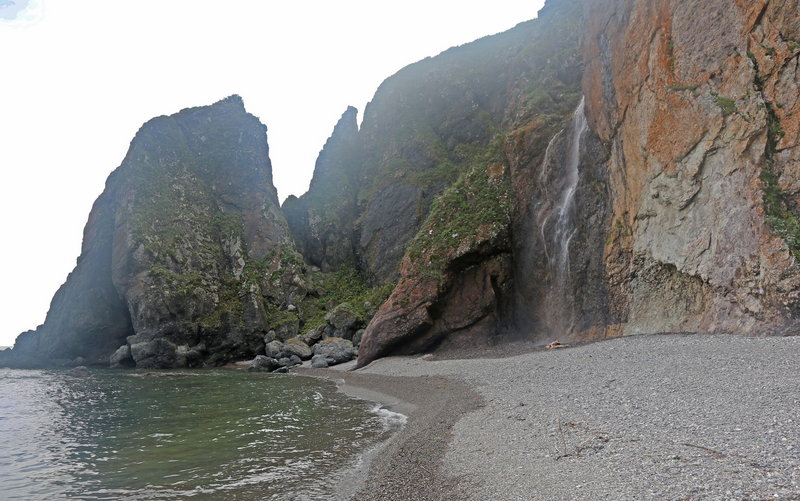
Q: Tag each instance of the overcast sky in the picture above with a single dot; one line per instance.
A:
(81, 76)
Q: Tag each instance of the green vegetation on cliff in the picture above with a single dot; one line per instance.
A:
(342, 286)
(778, 212)
(474, 210)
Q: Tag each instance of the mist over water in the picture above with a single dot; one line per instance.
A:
(179, 435)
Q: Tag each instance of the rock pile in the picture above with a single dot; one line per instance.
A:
(334, 342)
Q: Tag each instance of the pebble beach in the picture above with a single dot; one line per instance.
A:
(660, 417)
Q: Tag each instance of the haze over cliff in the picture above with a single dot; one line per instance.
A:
(610, 168)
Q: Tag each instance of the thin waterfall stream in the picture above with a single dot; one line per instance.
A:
(555, 218)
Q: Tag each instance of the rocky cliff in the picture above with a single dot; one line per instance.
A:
(179, 251)
(696, 104)
(429, 188)
(667, 204)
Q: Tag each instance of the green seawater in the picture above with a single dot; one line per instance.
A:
(210, 434)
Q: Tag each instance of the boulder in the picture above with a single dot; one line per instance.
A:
(285, 362)
(80, 371)
(274, 349)
(121, 357)
(287, 328)
(343, 318)
(313, 336)
(263, 364)
(319, 362)
(298, 348)
(357, 337)
(335, 350)
(328, 331)
(155, 354)
(186, 356)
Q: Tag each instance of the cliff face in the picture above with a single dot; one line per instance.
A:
(183, 252)
(425, 127)
(322, 220)
(463, 271)
(696, 103)
(669, 204)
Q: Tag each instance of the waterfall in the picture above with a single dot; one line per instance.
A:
(565, 222)
(555, 218)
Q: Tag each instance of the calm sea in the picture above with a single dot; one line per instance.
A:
(211, 434)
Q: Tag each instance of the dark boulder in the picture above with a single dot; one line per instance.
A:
(357, 337)
(313, 336)
(263, 364)
(297, 347)
(79, 371)
(335, 350)
(121, 358)
(274, 349)
(154, 354)
(319, 362)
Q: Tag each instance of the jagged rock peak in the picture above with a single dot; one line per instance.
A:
(320, 219)
(344, 135)
(233, 100)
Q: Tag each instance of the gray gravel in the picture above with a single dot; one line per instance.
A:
(665, 417)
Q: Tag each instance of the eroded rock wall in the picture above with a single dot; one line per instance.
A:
(696, 102)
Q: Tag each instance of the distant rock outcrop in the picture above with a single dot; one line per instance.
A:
(323, 220)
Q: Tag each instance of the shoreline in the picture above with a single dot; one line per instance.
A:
(666, 416)
(410, 464)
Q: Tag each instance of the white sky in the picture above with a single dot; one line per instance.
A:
(81, 76)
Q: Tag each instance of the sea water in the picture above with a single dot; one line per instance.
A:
(205, 434)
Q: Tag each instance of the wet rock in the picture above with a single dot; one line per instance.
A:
(79, 371)
(155, 354)
(121, 358)
(186, 356)
(263, 364)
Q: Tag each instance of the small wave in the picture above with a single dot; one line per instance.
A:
(390, 419)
